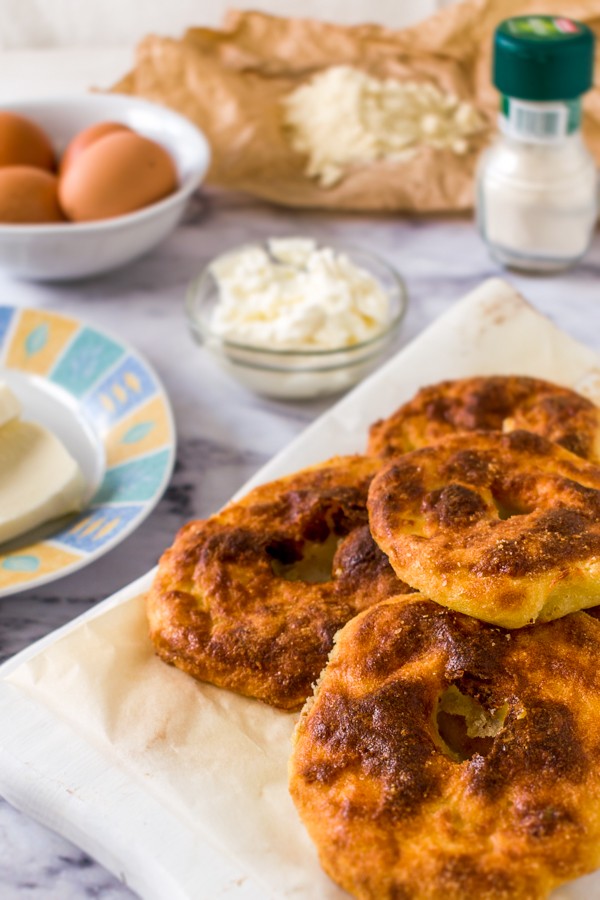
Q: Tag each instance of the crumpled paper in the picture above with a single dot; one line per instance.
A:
(231, 82)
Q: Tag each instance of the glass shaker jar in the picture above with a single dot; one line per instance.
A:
(537, 184)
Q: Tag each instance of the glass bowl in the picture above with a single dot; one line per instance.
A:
(290, 373)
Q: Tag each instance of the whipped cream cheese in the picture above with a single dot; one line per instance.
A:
(296, 296)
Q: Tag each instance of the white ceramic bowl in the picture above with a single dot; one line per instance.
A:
(77, 250)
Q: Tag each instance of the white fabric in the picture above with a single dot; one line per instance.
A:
(51, 23)
(56, 71)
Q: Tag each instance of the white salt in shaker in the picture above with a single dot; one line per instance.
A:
(537, 201)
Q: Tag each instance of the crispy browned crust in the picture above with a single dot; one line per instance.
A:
(395, 815)
(440, 515)
(496, 403)
(219, 611)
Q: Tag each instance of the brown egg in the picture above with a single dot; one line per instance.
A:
(87, 137)
(23, 143)
(118, 174)
(28, 195)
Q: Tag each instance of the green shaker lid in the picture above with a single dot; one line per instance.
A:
(543, 58)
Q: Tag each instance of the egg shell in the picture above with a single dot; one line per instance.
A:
(23, 143)
(118, 174)
(87, 137)
(28, 195)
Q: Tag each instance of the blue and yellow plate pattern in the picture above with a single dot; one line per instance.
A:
(111, 411)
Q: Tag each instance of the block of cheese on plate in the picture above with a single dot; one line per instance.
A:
(39, 479)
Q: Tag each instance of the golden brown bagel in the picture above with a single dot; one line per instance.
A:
(495, 403)
(505, 528)
(250, 599)
(402, 802)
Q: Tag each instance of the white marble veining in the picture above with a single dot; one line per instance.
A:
(224, 432)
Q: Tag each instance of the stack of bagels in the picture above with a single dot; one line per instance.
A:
(450, 747)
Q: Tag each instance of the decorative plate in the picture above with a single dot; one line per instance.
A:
(108, 407)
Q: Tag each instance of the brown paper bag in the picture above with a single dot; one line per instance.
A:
(231, 83)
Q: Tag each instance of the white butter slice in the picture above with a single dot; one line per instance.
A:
(10, 408)
(39, 479)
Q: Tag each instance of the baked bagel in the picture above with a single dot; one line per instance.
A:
(443, 758)
(505, 528)
(497, 403)
(251, 599)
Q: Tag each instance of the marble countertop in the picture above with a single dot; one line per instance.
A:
(224, 432)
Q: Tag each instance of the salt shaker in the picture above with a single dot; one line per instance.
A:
(537, 184)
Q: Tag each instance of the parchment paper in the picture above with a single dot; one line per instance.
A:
(182, 787)
(231, 82)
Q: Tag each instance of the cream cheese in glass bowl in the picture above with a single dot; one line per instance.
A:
(294, 319)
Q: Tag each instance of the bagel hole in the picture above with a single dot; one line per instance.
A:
(465, 727)
(507, 508)
(308, 561)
